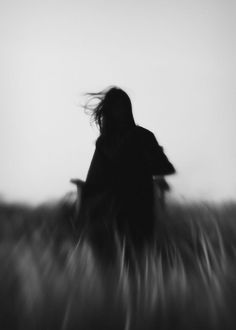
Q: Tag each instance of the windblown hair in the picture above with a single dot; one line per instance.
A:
(111, 110)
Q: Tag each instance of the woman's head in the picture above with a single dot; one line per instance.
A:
(111, 110)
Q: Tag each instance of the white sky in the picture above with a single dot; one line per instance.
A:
(176, 60)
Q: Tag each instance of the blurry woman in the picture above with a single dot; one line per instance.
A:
(118, 196)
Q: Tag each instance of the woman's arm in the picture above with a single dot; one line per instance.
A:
(158, 162)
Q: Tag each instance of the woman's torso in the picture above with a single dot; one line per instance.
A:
(119, 181)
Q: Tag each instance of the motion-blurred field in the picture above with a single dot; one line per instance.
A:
(51, 281)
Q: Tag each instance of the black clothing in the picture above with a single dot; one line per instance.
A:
(118, 191)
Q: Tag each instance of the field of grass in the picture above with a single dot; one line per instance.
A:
(49, 280)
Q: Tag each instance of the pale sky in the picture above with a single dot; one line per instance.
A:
(175, 58)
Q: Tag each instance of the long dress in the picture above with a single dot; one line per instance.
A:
(118, 194)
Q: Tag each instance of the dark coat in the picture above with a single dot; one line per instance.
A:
(118, 191)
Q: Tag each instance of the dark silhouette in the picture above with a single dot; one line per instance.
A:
(117, 197)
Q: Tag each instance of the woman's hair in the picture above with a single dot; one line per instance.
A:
(111, 110)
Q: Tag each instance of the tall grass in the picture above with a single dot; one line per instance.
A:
(48, 280)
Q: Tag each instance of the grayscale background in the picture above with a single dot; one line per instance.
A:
(176, 60)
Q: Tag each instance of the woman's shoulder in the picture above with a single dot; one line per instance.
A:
(137, 135)
(143, 133)
(142, 130)
(142, 138)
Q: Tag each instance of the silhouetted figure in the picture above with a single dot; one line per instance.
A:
(118, 194)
